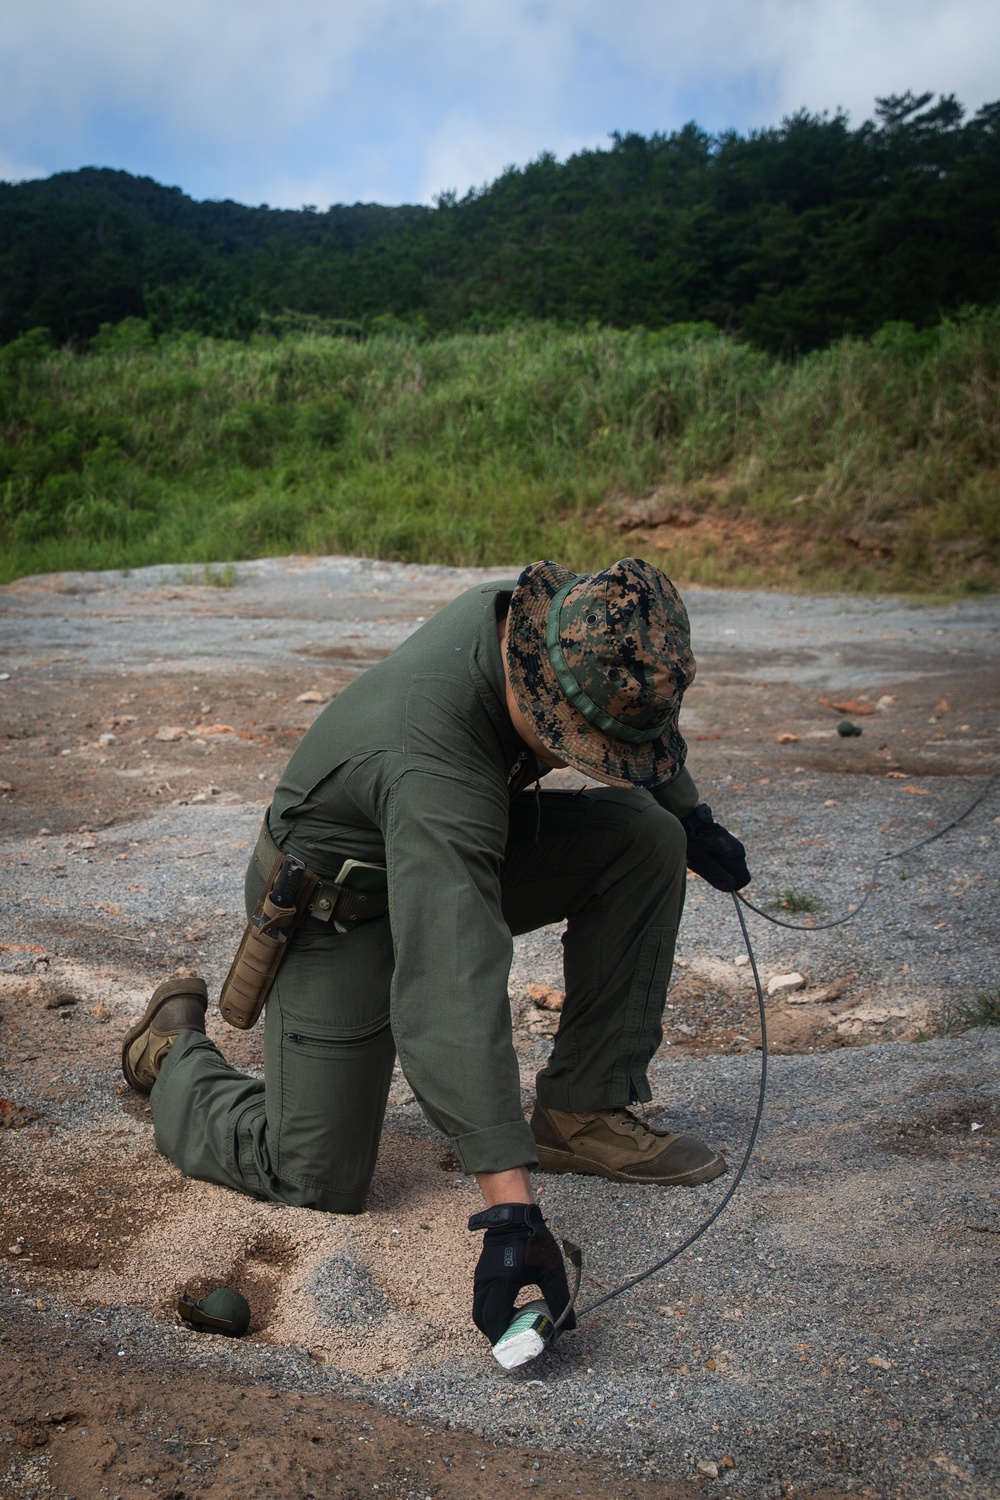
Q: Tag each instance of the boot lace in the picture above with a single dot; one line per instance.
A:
(635, 1125)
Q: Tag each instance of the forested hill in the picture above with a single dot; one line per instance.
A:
(791, 236)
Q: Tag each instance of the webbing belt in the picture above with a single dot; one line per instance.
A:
(330, 900)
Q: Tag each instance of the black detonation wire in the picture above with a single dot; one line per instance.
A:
(796, 927)
(707, 1223)
(883, 860)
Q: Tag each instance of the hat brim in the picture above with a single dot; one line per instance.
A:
(561, 727)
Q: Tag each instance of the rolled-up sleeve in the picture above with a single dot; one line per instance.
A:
(679, 796)
(444, 842)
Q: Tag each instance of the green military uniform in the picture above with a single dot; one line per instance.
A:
(416, 766)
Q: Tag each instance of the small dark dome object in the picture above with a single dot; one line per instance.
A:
(847, 730)
(222, 1311)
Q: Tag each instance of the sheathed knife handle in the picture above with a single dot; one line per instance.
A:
(265, 942)
(285, 887)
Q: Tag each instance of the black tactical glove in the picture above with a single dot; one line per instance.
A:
(713, 853)
(518, 1251)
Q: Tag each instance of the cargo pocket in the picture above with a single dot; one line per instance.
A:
(347, 1042)
(334, 1086)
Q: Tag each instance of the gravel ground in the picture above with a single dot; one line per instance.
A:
(306, 604)
(834, 1333)
(836, 1329)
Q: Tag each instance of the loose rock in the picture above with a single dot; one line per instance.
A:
(784, 984)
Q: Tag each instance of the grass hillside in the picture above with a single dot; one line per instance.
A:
(870, 464)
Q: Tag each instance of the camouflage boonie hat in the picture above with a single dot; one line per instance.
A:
(598, 664)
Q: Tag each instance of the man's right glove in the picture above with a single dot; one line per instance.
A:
(713, 852)
(518, 1251)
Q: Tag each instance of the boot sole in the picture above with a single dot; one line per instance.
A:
(550, 1160)
(163, 992)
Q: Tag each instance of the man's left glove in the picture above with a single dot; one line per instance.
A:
(713, 853)
(518, 1251)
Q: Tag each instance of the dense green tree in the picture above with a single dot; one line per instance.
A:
(792, 236)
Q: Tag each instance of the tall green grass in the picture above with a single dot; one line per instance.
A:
(872, 463)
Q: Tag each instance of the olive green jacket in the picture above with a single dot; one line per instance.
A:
(410, 766)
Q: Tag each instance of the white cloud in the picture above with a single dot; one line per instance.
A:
(796, 53)
(287, 101)
(462, 153)
(234, 67)
(865, 50)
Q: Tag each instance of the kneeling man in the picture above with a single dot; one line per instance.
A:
(424, 774)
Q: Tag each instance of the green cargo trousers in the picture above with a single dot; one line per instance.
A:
(609, 862)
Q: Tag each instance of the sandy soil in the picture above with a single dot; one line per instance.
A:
(143, 723)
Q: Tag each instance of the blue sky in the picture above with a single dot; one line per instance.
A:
(393, 101)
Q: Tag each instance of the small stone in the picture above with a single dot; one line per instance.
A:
(54, 1002)
(784, 984)
(877, 1362)
(545, 997)
(741, 960)
(14, 1116)
(106, 739)
(312, 696)
(541, 1022)
(822, 996)
(847, 730)
(15, 1249)
(788, 739)
(169, 733)
(707, 1467)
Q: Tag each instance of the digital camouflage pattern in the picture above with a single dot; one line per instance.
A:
(599, 663)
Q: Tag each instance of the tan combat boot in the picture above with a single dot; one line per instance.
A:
(613, 1143)
(177, 1005)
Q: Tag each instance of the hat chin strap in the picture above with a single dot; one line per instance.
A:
(591, 711)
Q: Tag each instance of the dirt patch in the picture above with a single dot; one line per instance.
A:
(684, 535)
(967, 1128)
(98, 1422)
(72, 1208)
(84, 752)
(708, 530)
